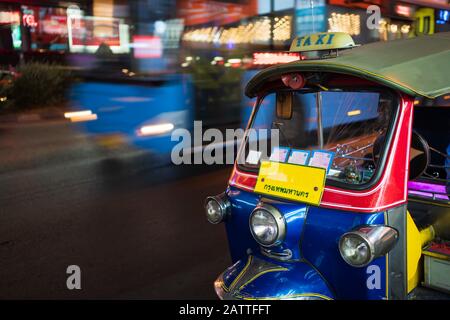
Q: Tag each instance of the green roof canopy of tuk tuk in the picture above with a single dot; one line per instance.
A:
(419, 66)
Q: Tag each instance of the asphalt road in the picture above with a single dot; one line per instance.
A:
(135, 231)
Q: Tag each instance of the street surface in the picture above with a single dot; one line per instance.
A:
(135, 230)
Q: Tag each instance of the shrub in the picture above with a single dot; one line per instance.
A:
(38, 85)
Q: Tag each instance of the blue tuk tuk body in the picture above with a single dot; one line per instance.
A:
(315, 268)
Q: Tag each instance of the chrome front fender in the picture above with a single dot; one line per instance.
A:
(260, 279)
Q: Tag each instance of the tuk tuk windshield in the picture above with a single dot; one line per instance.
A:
(342, 131)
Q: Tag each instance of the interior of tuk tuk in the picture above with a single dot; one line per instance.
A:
(429, 191)
(346, 116)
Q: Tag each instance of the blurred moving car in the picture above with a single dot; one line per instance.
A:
(136, 111)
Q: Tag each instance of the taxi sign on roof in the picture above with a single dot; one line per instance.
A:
(322, 41)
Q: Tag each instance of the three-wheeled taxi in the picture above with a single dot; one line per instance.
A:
(338, 191)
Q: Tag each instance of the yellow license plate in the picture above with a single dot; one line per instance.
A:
(290, 181)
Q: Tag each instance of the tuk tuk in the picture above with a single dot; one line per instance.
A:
(336, 193)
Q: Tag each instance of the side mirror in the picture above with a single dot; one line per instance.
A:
(419, 156)
(284, 105)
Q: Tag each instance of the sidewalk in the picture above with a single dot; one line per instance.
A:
(33, 115)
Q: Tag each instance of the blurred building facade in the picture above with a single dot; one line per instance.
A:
(206, 50)
(152, 29)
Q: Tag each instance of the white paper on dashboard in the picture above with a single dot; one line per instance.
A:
(279, 154)
(253, 157)
(298, 157)
(320, 159)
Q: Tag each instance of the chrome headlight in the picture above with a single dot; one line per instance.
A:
(365, 243)
(217, 208)
(267, 225)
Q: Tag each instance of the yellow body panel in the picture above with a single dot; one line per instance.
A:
(415, 241)
(293, 182)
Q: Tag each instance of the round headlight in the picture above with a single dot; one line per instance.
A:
(354, 250)
(267, 225)
(365, 243)
(216, 208)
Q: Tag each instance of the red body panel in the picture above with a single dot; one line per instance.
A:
(390, 190)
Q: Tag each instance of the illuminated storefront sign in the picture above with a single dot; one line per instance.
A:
(47, 27)
(348, 23)
(433, 2)
(404, 10)
(16, 36)
(391, 31)
(74, 12)
(170, 32)
(443, 17)
(146, 47)
(29, 21)
(271, 58)
(254, 32)
(11, 19)
(310, 17)
(204, 11)
(358, 4)
(55, 25)
(264, 6)
(424, 21)
(87, 33)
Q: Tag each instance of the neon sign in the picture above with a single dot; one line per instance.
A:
(146, 47)
(7, 17)
(403, 10)
(271, 58)
(87, 33)
(29, 21)
(444, 17)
